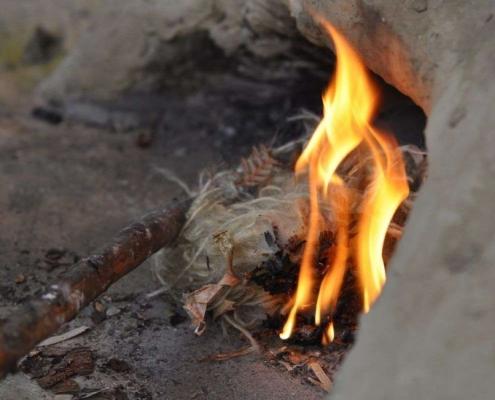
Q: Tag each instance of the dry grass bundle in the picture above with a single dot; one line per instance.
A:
(225, 239)
(238, 221)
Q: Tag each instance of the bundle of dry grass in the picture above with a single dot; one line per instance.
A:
(227, 235)
(238, 222)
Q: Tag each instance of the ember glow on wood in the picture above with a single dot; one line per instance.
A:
(350, 103)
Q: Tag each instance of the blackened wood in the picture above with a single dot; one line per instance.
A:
(87, 279)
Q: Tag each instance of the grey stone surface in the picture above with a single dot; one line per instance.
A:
(133, 46)
(413, 45)
(25, 57)
(19, 19)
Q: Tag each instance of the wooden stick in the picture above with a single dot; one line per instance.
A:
(87, 279)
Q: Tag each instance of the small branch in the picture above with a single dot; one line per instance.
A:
(87, 279)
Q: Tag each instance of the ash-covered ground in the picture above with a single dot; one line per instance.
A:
(68, 187)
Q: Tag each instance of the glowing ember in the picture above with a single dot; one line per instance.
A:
(349, 103)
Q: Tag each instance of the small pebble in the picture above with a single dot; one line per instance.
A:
(113, 311)
(99, 307)
(20, 279)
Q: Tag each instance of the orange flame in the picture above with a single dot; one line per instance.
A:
(328, 335)
(349, 104)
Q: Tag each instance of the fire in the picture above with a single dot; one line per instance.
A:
(349, 105)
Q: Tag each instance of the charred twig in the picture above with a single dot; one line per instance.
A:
(87, 279)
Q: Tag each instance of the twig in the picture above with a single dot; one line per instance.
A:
(229, 355)
(323, 380)
(87, 279)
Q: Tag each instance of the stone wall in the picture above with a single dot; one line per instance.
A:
(137, 45)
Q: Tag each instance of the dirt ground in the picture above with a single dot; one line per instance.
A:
(67, 188)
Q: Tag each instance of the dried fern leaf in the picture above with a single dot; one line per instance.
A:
(257, 169)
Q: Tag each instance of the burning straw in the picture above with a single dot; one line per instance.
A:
(252, 226)
(238, 255)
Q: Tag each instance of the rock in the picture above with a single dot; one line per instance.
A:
(40, 20)
(42, 47)
(113, 311)
(135, 34)
(146, 41)
(34, 35)
(427, 335)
